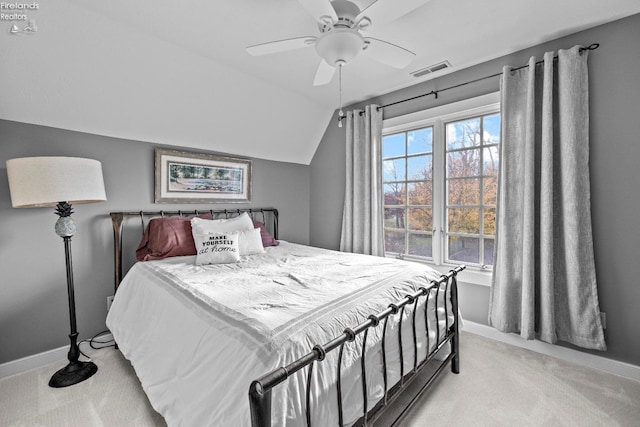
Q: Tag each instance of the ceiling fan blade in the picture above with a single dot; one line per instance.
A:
(324, 74)
(388, 53)
(281, 45)
(382, 11)
(319, 8)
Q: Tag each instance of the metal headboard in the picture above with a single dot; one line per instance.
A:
(118, 218)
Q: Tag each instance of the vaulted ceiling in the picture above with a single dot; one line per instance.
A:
(177, 72)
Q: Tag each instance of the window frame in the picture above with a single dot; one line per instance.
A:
(480, 235)
(407, 181)
(439, 117)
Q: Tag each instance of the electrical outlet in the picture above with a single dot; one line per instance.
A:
(603, 319)
(109, 302)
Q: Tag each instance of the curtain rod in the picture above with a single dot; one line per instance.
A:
(593, 46)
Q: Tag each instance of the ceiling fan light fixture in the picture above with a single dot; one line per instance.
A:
(339, 44)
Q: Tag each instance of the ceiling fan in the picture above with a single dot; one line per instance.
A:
(340, 23)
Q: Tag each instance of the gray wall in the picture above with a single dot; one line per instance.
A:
(615, 176)
(33, 298)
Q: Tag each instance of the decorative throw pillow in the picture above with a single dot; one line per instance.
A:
(267, 239)
(239, 223)
(216, 248)
(167, 237)
(250, 242)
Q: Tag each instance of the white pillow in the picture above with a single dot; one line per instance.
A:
(204, 226)
(250, 242)
(216, 248)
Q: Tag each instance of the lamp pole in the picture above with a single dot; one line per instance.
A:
(76, 371)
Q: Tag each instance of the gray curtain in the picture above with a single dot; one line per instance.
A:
(544, 279)
(362, 230)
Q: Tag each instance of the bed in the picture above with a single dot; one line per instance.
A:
(316, 337)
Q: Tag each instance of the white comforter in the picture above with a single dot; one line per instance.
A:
(198, 335)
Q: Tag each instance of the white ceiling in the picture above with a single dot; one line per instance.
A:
(176, 72)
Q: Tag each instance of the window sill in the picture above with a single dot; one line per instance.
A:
(472, 275)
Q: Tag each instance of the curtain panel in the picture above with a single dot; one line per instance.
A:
(544, 280)
(362, 228)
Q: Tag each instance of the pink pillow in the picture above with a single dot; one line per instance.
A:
(167, 237)
(267, 239)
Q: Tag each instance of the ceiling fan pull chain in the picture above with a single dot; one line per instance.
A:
(340, 113)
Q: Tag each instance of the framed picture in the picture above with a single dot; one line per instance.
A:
(183, 177)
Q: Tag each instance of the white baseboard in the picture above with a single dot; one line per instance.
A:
(611, 366)
(41, 359)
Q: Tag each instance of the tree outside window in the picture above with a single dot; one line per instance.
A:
(469, 171)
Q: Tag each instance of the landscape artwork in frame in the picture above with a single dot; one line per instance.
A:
(184, 177)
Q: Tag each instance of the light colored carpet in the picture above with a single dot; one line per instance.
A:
(112, 397)
(499, 385)
(503, 385)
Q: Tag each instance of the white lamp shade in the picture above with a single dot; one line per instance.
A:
(46, 181)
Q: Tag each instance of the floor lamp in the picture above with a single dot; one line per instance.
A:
(59, 182)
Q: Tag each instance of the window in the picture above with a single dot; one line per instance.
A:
(440, 171)
(407, 168)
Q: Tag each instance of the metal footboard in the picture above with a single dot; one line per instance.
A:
(260, 389)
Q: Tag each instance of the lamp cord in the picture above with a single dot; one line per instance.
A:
(93, 340)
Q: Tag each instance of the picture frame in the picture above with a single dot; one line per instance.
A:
(188, 177)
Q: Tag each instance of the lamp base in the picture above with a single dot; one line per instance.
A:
(73, 373)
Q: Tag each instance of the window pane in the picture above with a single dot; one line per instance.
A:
(394, 241)
(491, 129)
(462, 134)
(420, 141)
(394, 194)
(491, 161)
(463, 163)
(464, 220)
(490, 190)
(420, 219)
(489, 221)
(465, 249)
(393, 145)
(464, 191)
(420, 245)
(488, 251)
(394, 218)
(420, 167)
(420, 193)
(394, 170)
